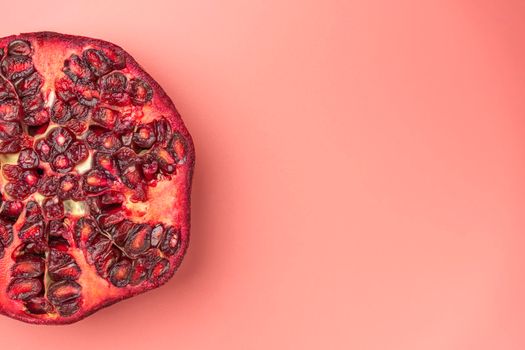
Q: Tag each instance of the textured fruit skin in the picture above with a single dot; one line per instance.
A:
(46, 45)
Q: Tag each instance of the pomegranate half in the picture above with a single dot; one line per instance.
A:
(96, 168)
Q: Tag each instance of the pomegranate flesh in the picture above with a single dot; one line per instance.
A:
(96, 167)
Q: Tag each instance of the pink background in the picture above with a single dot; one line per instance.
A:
(360, 179)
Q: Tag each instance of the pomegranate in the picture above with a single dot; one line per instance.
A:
(95, 180)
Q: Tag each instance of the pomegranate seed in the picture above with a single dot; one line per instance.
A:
(6, 233)
(104, 161)
(58, 244)
(140, 92)
(120, 273)
(62, 266)
(32, 232)
(150, 166)
(9, 110)
(114, 83)
(85, 232)
(177, 149)
(78, 110)
(160, 269)
(69, 185)
(98, 248)
(15, 67)
(37, 117)
(6, 90)
(119, 232)
(29, 86)
(97, 61)
(32, 209)
(39, 306)
(33, 103)
(77, 152)
(108, 142)
(17, 190)
(138, 272)
(144, 137)
(166, 161)
(68, 308)
(28, 159)
(87, 93)
(63, 291)
(105, 117)
(11, 210)
(111, 198)
(24, 289)
(157, 235)
(48, 186)
(76, 69)
(60, 112)
(125, 124)
(64, 89)
(107, 221)
(29, 267)
(28, 249)
(31, 178)
(11, 145)
(125, 157)
(43, 150)
(96, 181)
(19, 48)
(62, 164)
(131, 176)
(77, 126)
(103, 264)
(140, 193)
(53, 208)
(163, 131)
(117, 60)
(171, 242)
(56, 228)
(138, 241)
(60, 138)
(113, 87)
(11, 172)
(10, 129)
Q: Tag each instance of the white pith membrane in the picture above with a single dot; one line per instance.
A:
(165, 194)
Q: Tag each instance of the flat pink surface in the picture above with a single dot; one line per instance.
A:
(360, 179)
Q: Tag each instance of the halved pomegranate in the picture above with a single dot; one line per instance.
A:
(95, 180)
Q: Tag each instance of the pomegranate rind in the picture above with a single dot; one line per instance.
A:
(172, 204)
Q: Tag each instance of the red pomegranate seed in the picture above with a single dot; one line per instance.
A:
(30, 85)
(11, 172)
(39, 306)
(97, 61)
(28, 159)
(15, 67)
(53, 208)
(29, 267)
(120, 273)
(24, 288)
(61, 292)
(138, 241)
(9, 110)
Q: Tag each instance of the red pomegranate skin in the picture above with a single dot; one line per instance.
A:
(96, 178)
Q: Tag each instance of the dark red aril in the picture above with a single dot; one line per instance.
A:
(144, 136)
(28, 159)
(97, 61)
(140, 91)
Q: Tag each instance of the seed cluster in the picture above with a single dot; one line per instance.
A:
(92, 119)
